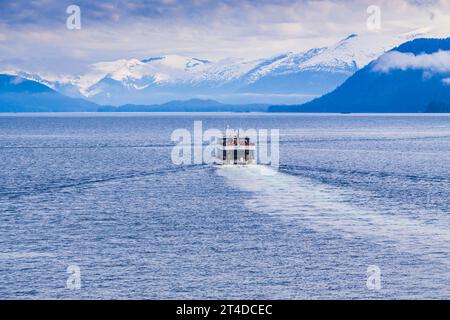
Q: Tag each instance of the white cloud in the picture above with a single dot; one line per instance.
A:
(208, 29)
(446, 81)
(438, 62)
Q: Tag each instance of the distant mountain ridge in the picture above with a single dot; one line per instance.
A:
(285, 77)
(193, 105)
(413, 77)
(21, 95)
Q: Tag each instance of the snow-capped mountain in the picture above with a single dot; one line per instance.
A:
(162, 71)
(159, 79)
(419, 87)
(318, 70)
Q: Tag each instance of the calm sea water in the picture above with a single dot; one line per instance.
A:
(101, 192)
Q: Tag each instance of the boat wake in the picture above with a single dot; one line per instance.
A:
(326, 208)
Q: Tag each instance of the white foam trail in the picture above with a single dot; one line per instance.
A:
(324, 208)
(24, 255)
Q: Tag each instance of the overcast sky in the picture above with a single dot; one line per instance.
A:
(34, 36)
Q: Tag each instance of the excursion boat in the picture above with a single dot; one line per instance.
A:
(235, 150)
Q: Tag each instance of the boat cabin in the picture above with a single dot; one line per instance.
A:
(234, 150)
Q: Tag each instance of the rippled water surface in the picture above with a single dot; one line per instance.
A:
(101, 192)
